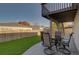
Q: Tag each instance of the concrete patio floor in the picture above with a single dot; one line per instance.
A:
(35, 50)
(38, 50)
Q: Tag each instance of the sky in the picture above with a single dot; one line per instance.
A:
(30, 12)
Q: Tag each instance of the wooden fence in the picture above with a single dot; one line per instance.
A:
(14, 36)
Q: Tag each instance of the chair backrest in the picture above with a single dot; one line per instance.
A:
(70, 37)
(58, 35)
(41, 36)
(46, 39)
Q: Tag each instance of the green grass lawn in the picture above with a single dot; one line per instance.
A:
(19, 46)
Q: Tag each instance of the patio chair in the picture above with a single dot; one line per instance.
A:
(65, 44)
(57, 39)
(52, 40)
(47, 43)
(42, 38)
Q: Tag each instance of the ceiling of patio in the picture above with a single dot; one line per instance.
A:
(67, 16)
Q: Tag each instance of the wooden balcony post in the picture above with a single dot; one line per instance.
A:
(51, 27)
(63, 29)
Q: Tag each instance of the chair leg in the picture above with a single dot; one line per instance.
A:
(49, 51)
(65, 50)
(64, 46)
(56, 45)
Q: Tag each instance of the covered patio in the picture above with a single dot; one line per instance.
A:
(65, 18)
(38, 49)
(60, 14)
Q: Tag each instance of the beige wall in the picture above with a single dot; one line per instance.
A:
(68, 31)
(76, 30)
(11, 29)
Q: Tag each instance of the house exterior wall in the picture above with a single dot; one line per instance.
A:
(76, 30)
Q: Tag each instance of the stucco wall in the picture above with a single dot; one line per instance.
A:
(76, 30)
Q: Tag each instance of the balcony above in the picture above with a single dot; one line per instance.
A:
(59, 10)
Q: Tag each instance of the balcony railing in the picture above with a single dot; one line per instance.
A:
(45, 11)
(52, 8)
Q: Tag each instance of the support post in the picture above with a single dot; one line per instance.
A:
(63, 28)
(58, 26)
(51, 27)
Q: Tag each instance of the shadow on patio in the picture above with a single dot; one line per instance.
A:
(38, 49)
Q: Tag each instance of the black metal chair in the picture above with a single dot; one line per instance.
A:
(45, 37)
(65, 44)
(42, 38)
(57, 39)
